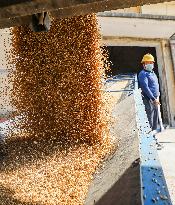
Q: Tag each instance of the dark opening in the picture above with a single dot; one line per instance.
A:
(127, 59)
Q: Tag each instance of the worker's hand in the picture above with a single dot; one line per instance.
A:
(156, 102)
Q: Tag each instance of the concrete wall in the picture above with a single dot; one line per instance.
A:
(137, 27)
(129, 10)
(166, 8)
(5, 85)
(169, 80)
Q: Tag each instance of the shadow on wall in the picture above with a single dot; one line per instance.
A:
(7, 198)
(126, 191)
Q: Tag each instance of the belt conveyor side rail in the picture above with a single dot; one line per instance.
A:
(153, 185)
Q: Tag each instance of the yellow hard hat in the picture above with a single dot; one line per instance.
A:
(147, 57)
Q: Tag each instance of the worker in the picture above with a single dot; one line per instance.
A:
(149, 85)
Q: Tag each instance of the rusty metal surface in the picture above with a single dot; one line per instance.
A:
(11, 8)
(18, 21)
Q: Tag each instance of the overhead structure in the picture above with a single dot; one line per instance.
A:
(20, 12)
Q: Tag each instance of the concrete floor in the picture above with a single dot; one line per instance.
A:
(167, 158)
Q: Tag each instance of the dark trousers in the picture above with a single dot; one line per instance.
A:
(152, 113)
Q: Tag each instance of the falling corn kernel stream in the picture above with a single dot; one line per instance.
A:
(58, 92)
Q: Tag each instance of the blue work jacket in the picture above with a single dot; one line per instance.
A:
(148, 82)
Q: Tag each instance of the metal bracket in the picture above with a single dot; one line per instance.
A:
(41, 22)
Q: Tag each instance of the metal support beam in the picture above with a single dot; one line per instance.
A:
(19, 12)
(17, 21)
(16, 8)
